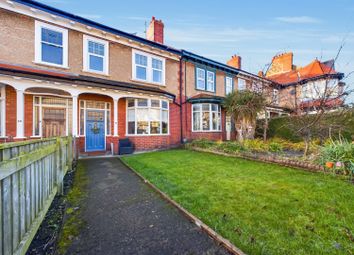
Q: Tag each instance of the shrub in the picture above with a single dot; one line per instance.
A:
(203, 143)
(256, 145)
(230, 147)
(275, 147)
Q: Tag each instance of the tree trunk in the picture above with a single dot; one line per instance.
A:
(307, 146)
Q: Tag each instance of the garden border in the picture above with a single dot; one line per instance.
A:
(214, 235)
(268, 159)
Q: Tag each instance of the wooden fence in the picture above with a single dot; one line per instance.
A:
(31, 174)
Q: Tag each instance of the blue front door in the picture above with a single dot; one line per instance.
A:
(95, 133)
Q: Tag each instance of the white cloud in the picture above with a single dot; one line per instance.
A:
(298, 19)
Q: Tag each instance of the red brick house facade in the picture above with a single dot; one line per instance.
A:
(65, 75)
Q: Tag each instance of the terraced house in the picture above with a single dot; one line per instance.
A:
(62, 75)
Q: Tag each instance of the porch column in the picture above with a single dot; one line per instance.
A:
(74, 115)
(20, 114)
(115, 116)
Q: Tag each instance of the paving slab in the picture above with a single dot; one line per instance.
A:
(123, 215)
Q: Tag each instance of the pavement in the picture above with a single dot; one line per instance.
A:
(123, 215)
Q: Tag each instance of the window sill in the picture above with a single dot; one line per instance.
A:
(97, 73)
(206, 131)
(51, 65)
(204, 90)
(4, 137)
(130, 135)
(148, 82)
(35, 136)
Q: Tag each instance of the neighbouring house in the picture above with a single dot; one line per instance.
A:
(302, 88)
(62, 75)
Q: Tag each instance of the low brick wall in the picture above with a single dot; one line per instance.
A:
(268, 159)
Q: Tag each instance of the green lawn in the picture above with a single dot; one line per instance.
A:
(261, 208)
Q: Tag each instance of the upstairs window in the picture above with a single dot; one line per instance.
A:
(229, 86)
(200, 79)
(241, 84)
(51, 45)
(148, 68)
(205, 79)
(95, 55)
(275, 96)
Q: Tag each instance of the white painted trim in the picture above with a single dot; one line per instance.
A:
(38, 43)
(3, 111)
(20, 108)
(86, 58)
(74, 114)
(149, 69)
(115, 117)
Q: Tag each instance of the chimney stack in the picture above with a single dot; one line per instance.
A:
(155, 31)
(235, 61)
(281, 63)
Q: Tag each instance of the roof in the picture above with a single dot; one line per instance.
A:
(184, 53)
(74, 79)
(314, 70)
(93, 24)
(205, 98)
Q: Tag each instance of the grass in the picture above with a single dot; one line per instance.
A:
(73, 222)
(261, 208)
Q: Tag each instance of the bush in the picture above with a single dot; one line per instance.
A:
(230, 147)
(275, 147)
(203, 143)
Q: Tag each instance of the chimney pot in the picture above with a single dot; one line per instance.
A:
(235, 61)
(155, 32)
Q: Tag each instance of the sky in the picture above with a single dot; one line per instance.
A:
(254, 29)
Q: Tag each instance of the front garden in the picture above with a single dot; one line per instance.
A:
(261, 208)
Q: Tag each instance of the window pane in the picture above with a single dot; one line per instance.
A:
(96, 48)
(52, 54)
(206, 120)
(156, 64)
(210, 84)
(131, 102)
(140, 60)
(196, 121)
(164, 121)
(52, 37)
(141, 72)
(36, 120)
(214, 107)
(155, 127)
(142, 114)
(155, 114)
(82, 122)
(155, 103)
(164, 104)
(215, 120)
(205, 107)
(131, 115)
(241, 84)
(131, 127)
(108, 122)
(196, 107)
(157, 76)
(142, 102)
(142, 127)
(200, 79)
(96, 63)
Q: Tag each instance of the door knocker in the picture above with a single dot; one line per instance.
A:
(95, 128)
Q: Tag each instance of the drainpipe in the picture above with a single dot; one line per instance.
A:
(180, 96)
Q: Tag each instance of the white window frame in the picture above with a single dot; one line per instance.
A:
(149, 69)
(212, 82)
(107, 111)
(243, 81)
(200, 78)
(86, 55)
(231, 83)
(149, 107)
(3, 111)
(38, 43)
(275, 96)
(40, 117)
(210, 119)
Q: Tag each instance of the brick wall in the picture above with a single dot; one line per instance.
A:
(11, 107)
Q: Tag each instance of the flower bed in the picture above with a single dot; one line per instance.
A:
(285, 153)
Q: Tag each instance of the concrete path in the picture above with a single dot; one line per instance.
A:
(124, 216)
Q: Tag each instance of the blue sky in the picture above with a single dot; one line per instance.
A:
(255, 30)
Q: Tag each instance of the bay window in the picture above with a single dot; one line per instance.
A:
(148, 68)
(147, 117)
(206, 117)
(95, 55)
(51, 45)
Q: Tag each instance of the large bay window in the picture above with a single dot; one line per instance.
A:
(147, 117)
(148, 68)
(51, 45)
(206, 117)
(52, 116)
